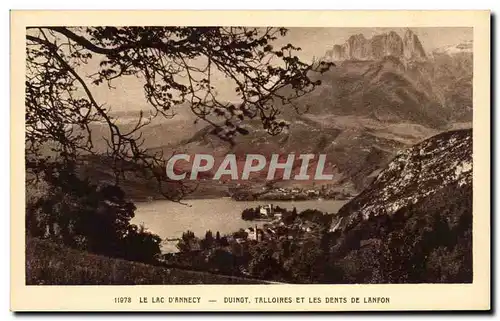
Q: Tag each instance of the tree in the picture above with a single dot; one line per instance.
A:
(95, 218)
(188, 242)
(141, 245)
(209, 241)
(311, 215)
(222, 261)
(289, 216)
(249, 214)
(263, 263)
(176, 65)
(241, 233)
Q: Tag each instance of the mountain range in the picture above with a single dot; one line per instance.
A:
(392, 78)
(390, 97)
(385, 94)
(357, 47)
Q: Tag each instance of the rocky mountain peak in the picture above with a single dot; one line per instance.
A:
(412, 47)
(358, 47)
(357, 37)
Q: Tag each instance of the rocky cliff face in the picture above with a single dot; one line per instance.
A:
(413, 175)
(357, 47)
(413, 224)
(389, 77)
(412, 47)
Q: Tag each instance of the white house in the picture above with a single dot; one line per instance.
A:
(251, 233)
(254, 233)
(266, 210)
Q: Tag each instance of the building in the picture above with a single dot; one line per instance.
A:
(251, 233)
(254, 233)
(266, 210)
(307, 226)
(239, 240)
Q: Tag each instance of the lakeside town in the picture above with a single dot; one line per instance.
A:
(289, 194)
(272, 230)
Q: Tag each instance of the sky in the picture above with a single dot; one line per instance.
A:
(314, 42)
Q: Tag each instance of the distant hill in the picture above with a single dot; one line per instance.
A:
(356, 147)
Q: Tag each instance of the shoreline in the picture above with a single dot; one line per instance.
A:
(242, 200)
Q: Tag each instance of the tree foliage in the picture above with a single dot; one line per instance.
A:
(176, 65)
(429, 241)
(249, 214)
(95, 218)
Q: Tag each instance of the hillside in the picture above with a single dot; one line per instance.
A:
(415, 174)
(414, 222)
(356, 147)
(51, 264)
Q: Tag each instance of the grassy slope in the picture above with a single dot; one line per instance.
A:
(51, 264)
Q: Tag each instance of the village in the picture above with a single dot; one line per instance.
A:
(269, 226)
(324, 192)
(280, 224)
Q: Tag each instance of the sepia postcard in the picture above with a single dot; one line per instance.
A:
(250, 160)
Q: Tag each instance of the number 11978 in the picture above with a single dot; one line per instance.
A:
(123, 299)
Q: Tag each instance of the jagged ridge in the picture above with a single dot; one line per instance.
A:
(357, 47)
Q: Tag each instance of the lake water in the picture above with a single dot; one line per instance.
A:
(169, 220)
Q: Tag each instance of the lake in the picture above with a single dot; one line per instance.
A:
(169, 220)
